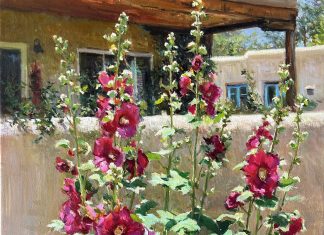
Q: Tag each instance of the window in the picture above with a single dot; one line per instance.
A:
(238, 94)
(91, 62)
(13, 73)
(271, 90)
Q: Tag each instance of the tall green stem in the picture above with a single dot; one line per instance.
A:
(170, 158)
(249, 214)
(257, 221)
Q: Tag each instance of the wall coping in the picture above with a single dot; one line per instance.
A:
(267, 52)
(153, 123)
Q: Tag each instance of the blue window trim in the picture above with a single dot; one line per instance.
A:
(238, 92)
(266, 90)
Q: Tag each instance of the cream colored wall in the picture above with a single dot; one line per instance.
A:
(30, 185)
(264, 65)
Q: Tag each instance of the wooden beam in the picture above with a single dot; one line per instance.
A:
(291, 60)
(171, 14)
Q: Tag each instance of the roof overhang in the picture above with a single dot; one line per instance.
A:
(222, 15)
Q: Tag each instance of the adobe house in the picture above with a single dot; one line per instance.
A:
(27, 28)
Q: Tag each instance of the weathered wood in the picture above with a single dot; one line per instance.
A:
(291, 60)
(170, 14)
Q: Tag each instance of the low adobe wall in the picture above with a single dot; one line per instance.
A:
(30, 185)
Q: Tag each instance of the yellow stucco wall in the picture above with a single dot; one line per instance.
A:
(25, 27)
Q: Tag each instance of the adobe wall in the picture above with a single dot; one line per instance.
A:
(30, 185)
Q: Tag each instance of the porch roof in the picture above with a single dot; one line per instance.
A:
(223, 15)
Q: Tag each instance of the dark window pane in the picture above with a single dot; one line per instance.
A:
(10, 79)
(90, 65)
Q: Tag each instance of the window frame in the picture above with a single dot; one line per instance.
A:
(238, 94)
(106, 52)
(22, 47)
(265, 91)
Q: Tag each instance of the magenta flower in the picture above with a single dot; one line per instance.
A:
(105, 153)
(184, 84)
(253, 143)
(73, 221)
(125, 121)
(127, 88)
(103, 106)
(192, 109)
(62, 165)
(210, 109)
(106, 81)
(261, 173)
(216, 147)
(119, 222)
(69, 213)
(295, 226)
(139, 165)
(210, 92)
(197, 63)
(231, 202)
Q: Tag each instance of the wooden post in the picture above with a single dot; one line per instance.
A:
(291, 60)
(208, 40)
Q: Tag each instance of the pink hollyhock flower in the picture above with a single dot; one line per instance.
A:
(119, 222)
(106, 81)
(295, 226)
(231, 201)
(70, 153)
(261, 173)
(70, 190)
(141, 164)
(105, 153)
(253, 143)
(103, 106)
(262, 131)
(210, 109)
(197, 63)
(210, 92)
(73, 221)
(216, 147)
(125, 121)
(184, 84)
(62, 165)
(127, 88)
(212, 77)
(192, 109)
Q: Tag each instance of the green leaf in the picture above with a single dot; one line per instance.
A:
(149, 220)
(244, 196)
(285, 182)
(88, 166)
(63, 143)
(56, 225)
(136, 218)
(98, 178)
(165, 132)
(145, 206)
(281, 219)
(186, 225)
(153, 156)
(165, 216)
(267, 202)
(239, 166)
(160, 100)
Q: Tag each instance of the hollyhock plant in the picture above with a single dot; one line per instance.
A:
(97, 183)
(261, 173)
(268, 182)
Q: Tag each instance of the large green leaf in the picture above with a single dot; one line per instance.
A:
(145, 206)
(267, 202)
